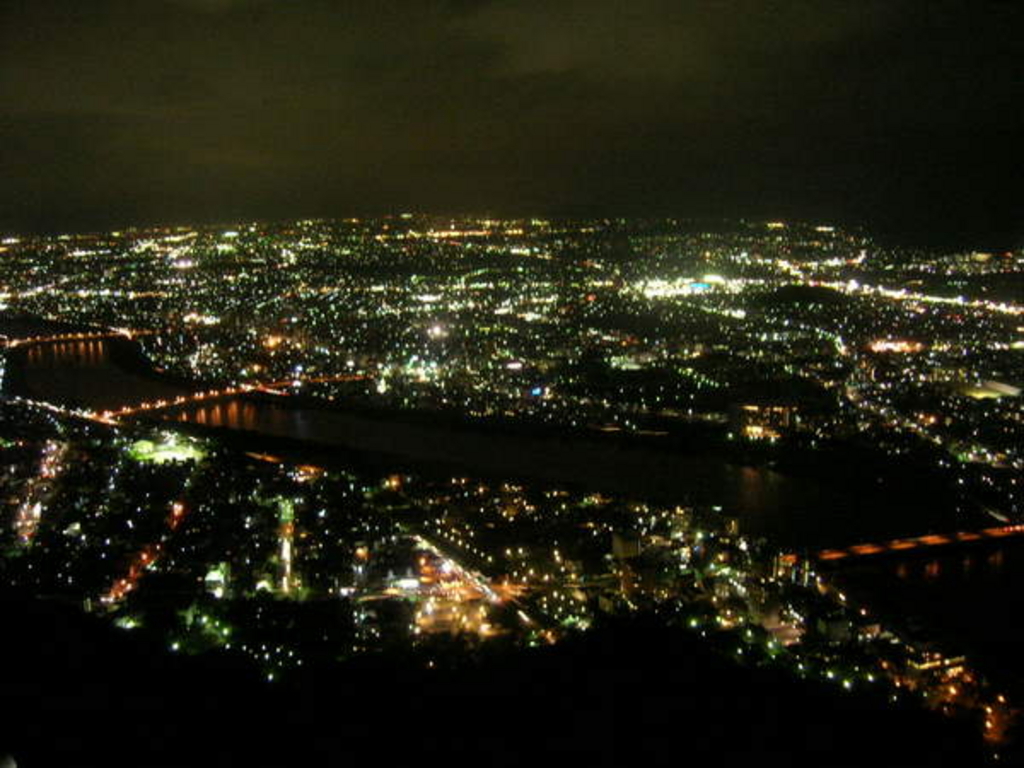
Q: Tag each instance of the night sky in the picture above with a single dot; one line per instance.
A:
(907, 117)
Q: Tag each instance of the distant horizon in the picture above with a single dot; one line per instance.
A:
(902, 116)
(997, 242)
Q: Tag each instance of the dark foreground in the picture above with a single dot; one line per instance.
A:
(76, 692)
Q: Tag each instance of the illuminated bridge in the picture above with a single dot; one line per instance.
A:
(123, 333)
(273, 388)
(931, 542)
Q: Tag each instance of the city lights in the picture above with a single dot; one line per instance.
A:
(570, 374)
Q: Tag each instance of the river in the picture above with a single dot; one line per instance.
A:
(804, 512)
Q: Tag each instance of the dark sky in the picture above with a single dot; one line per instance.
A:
(907, 117)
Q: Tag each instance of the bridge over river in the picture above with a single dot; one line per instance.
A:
(928, 544)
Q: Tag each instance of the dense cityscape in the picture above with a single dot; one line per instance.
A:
(800, 333)
(142, 483)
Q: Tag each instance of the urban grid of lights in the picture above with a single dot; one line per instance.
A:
(642, 328)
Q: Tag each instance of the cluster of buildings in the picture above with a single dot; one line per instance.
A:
(213, 549)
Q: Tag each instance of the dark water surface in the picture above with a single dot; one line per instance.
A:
(95, 373)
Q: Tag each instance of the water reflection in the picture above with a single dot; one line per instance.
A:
(953, 567)
(89, 373)
(88, 353)
(233, 413)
